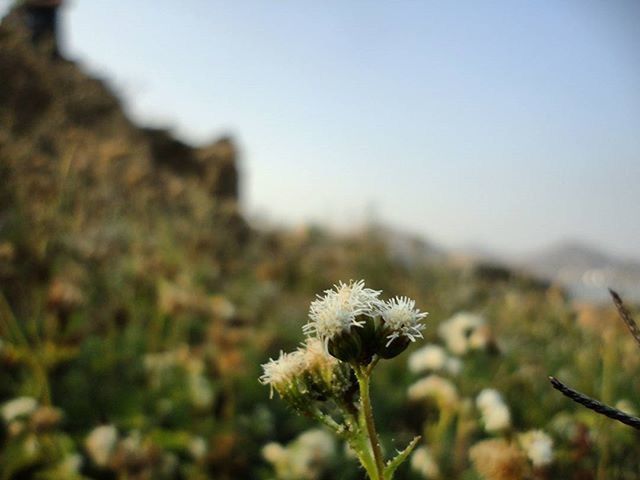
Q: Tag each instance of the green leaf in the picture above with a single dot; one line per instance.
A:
(393, 464)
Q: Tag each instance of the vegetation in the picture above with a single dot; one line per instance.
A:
(137, 307)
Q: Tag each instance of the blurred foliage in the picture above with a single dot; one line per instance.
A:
(136, 307)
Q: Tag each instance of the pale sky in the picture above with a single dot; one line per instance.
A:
(500, 123)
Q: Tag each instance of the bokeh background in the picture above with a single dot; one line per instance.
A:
(177, 188)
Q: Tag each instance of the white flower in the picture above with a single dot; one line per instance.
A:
(274, 453)
(305, 458)
(463, 332)
(279, 373)
(402, 319)
(433, 358)
(201, 391)
(422, 461)
(100, 444)
(495, 413)
(538, 446)
(338, 310)
(18, 407)
(198, 448)
(437, 388)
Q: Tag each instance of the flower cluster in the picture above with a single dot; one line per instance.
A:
(349, 330)
(354, 324)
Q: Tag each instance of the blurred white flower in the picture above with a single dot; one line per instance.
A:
(198, 448)
(626, 406)
(434, 387)
(422, 461)
(495, 413)
(18, 407)
(201, 390)
(71, 465)
(305, 458)
(100, 444)
(538, 447)
(274, 453)
(402, 319)
(463, 332)
(338, 310)
(433, 358)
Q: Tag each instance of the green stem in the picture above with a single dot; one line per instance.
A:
(367, 418)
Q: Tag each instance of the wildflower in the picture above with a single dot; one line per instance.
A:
(274, 453)
(538, 447)
(402, 320)
(305, 458)
(198, 448)
(280, 374)
(422, 461)
(18, 407)
(463, 332)
(433, 358)
(496, 459)
(434, 387)
(495, 413)
(333, 316)
(100, 444)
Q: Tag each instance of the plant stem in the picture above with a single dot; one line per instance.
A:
(366, 414)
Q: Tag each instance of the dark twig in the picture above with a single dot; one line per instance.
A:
(626, 316)
(595, 405)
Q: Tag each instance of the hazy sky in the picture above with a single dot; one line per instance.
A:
(501, 123)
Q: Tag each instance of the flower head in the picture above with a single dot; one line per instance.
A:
(402, 319)
(338, 310)
(279, 373)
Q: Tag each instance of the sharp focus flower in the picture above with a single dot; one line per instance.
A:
(402, 319)
(338, 310)
(332, 316)
(279, 374)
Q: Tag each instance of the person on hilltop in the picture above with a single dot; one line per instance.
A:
(41, 18)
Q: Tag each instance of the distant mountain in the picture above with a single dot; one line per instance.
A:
(586, 270)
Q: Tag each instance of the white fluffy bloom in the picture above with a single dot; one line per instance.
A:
(440, 389)
(464, 332)
(422, 461)
(100, 444)
(278, 373)
(402, 319)
(18, 407)
(495, 413)
(538, 446)
(338, 310)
